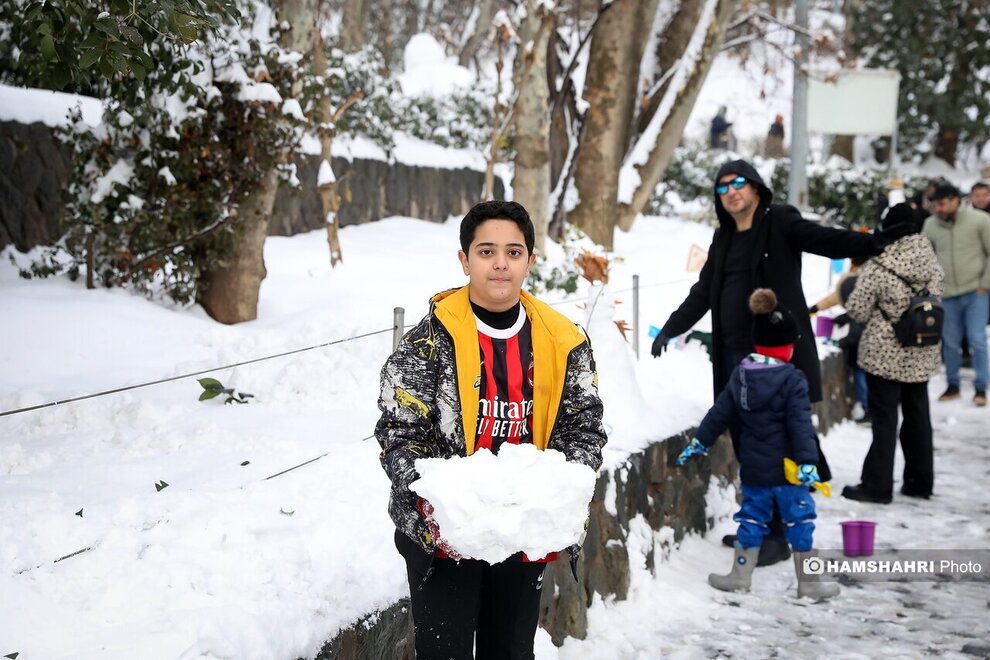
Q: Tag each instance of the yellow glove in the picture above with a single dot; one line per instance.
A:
(791, 474)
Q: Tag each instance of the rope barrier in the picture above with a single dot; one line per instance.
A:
(160, 381)
(627, 290)
(189, 375)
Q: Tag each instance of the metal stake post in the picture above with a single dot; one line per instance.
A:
(398, 321)
(797, 193)
(635, 328)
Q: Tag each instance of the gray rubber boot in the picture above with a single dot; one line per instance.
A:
(811, 585)
(741, 575)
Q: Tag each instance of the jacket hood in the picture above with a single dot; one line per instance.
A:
(905, 257)
(756, 383)
(742, 168)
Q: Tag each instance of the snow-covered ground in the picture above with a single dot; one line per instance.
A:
(235, 558)
(223, 561)
(226, 563)
(676, 614)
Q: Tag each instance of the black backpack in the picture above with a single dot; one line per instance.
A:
(921, 323)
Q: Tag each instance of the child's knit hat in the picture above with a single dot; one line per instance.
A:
(773, 323)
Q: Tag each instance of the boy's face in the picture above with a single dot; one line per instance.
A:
(497, 263)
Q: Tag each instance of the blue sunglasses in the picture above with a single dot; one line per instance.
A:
(736, 184)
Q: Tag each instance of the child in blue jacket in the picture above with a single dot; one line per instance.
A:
(767, 397)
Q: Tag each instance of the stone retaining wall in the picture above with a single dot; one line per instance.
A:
(34, 172)
(373, 189)
(646, 485)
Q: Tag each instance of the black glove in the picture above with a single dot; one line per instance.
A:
(813, 309)
(841, 320)
(659, 345)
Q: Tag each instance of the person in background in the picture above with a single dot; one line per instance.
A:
(896, 375)
(850, 343)
(775, 139)
(961, 238)
(489, 364)
(767, 397)
(758, 244)
(921, 202)
(979, 196)
(719, 137)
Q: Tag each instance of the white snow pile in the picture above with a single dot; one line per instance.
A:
(428, 71)
(492, 506)
(27, 106)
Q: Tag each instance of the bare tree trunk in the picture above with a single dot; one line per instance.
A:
(328, 184)
(352, 25)
(90, 261)
(842, 145)
(563, 110)
(383, 20)
(331, 204)
(610, 90)
(301, 15)
(946, 143)
(566, 121)
(947, 139)
(229, 294)
(531, 178)
(482, 26)
(329, 197)
(493, 145)
(670, 49)
(651, 156)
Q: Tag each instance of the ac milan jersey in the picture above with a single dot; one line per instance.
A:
(505, 396)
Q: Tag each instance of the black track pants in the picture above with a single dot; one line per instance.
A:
(498, 602)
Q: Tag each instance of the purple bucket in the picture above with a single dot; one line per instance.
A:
(858, 537)
(823, 326)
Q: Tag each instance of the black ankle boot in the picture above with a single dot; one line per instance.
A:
(861, 494)
(773, 550)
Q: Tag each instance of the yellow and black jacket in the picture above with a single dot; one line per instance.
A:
(429, 396)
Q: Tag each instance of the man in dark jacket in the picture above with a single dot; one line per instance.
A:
(758, 244)
(719, 133)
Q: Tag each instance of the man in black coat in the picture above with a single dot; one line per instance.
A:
(758, 244)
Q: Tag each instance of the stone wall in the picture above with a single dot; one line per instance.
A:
(34, 172)
(647, 485)
(373, 189)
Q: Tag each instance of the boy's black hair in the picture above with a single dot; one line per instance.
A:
(497, 210)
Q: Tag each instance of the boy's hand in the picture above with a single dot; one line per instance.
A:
(692, 450)
(434, 527)
(808, 474)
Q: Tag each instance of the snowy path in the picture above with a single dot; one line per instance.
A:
(676, 614)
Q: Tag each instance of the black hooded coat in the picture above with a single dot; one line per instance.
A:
(782, 235)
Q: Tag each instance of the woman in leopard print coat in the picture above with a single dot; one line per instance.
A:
(895, 373)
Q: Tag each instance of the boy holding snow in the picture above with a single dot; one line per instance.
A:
(489, 364)
(767, 397)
